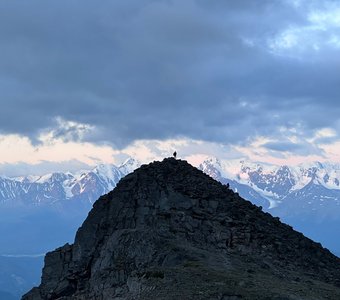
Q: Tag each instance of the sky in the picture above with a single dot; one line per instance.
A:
(88, 82)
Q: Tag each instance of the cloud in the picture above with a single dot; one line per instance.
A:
(301, 148)
(18, 156)
(283, 146)
(67, 131)
(216, 71)
(16, 149)
(312, 40)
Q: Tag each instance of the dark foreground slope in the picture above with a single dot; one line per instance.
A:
(168, 231)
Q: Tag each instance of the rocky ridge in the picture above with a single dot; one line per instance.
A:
(169, 231)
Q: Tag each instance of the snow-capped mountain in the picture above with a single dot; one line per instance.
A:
(60, 188)
(289, 190)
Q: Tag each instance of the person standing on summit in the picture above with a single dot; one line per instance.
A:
(175, 154)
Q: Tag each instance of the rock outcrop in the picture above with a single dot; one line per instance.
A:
(169, 231)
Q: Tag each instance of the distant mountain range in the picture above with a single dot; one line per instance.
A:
(57, 189)
(304, 190)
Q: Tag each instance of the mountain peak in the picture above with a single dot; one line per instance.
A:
(129, 165)
(169, 231)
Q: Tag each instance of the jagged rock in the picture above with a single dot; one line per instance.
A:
(169, 231)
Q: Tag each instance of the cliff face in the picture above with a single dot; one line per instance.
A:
(168, 231)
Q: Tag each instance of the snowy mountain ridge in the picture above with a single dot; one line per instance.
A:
(314, 183)
(299, 176)
(310, 186)
(54, 187)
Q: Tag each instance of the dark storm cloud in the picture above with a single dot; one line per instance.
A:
(283, 146)
(300, 148)
(159, 69)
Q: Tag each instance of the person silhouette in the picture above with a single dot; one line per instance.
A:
(175, 154)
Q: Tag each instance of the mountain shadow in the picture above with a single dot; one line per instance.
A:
(169, 231)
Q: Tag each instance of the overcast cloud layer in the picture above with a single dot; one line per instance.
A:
(218, 71)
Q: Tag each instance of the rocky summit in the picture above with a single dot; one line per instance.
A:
(169, 231)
